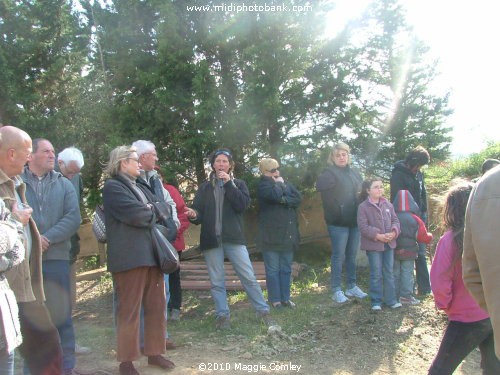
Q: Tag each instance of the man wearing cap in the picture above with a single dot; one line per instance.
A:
(218, 206)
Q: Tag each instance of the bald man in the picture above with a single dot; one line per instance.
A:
(40, 348)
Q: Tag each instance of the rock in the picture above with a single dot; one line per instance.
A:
(246, 355)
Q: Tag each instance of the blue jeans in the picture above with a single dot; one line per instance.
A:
(238, 256)
(422, 271)
(6, 362)
(459, 340)
(57, 288)
(381, 277)
(345, 246)
(403, 277)
(278, 265)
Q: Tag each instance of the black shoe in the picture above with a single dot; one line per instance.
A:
(289, 304)
(127, 368)
(222, 322)
(160, 361)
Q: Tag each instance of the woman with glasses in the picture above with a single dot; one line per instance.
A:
(137, 280)
(339, 186)
(278, 235)
(218, 206)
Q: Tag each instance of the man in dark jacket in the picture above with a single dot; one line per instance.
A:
(406, 175)
(218, 206)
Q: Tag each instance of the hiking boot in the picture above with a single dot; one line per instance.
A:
(409, 301)
(339, 297)
(355, 292)
(175, 314)
(127, 368)
(266, 318)
(222, 322)
(289, 304)
(161, 362)
(397, 305)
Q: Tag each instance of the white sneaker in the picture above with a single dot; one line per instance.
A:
(397, 305)
(355, 292)
(376, 308)
(82, 349)
(409, 301)
(340, 297)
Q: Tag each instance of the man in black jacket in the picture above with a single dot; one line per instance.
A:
(407, 175)
(218, 206)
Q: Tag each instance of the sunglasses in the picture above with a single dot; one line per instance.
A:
(274, 170)
(223, 152)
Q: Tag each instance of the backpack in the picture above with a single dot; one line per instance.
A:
(99, 224)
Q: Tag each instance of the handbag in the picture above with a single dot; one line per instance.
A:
(166, 256)
(99, 225)
(163, 212)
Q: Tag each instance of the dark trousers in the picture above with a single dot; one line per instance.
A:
(459, 340)
(423, 283)
(57, 288)
(174, 282)
(40, 349)
(142, 286)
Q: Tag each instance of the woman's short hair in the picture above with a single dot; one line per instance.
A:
(222, 151)
(116, 156)
(417, 157)
(266, 165)
(341, 146)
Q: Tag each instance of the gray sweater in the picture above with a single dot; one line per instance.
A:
(55, 210)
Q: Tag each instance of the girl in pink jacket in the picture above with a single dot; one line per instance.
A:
(469, 326)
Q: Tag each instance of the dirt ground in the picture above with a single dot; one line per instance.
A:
(338, 340)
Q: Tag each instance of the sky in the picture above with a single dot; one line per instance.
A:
(463, 36)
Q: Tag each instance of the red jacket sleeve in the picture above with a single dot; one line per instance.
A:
(181, 215)
(422, 234)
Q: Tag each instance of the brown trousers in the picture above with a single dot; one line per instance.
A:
(134, 288)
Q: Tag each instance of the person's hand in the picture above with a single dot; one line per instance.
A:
(224, 176)
(279, 179)
(190, 213)
(45, 243)
(380, 237)
(22, 213)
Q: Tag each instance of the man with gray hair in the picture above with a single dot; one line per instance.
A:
(148, 157)
(69, 164)
(57, 215)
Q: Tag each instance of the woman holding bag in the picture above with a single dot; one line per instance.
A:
(137, 280)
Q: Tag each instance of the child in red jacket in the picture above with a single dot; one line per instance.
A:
(413, 230)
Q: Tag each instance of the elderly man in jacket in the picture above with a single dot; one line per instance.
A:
(481, 255)
(40, 348)
(57, 215)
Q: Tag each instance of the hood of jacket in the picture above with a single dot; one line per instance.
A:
(404, 202)
(401, 166)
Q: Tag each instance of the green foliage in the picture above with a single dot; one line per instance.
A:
(262, 84)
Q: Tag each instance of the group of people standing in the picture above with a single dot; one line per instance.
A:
(39, 218)
(358, 215)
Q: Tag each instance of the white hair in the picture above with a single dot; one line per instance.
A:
(70, 154)
(143, 146)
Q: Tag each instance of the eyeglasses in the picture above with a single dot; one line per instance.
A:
(223, 152)
(274, 170)
(134, 159)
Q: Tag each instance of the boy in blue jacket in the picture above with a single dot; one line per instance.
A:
(413, 230)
